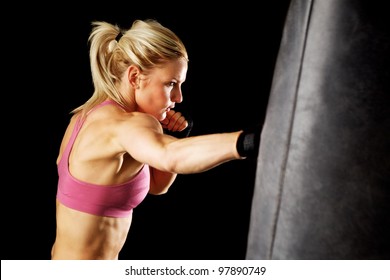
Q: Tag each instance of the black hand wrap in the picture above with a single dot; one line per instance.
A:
(181, 134)
(248, 142)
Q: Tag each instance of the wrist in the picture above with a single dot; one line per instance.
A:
(248, 142)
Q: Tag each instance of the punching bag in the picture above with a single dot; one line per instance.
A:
(322, 186)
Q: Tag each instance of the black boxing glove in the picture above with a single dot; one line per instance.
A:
(248, 142)
(184, 133)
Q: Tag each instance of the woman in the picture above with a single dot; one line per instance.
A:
(114, 150)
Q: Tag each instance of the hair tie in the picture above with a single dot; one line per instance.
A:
(119, 36)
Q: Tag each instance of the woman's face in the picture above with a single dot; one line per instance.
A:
(160, 89)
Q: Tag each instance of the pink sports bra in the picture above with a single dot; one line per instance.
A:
(112, 201)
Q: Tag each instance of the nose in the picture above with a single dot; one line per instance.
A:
(177, 96)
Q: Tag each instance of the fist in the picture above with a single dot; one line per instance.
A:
(174, 121)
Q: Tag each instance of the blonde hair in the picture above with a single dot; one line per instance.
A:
(146, 44)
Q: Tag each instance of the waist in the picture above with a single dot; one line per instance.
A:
(85, 236)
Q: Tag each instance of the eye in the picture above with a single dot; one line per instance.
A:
(172, 84)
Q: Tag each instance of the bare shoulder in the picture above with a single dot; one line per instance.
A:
(113, 119)
(142, 120)
(135, 130)
(135, 126)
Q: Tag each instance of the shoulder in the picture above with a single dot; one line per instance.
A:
(112, 118)
(143, 120)
(112, 123)
(136, 124)
(135, 130)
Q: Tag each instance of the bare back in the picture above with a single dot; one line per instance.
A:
(83, 235)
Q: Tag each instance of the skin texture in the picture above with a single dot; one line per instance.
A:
(114, 144)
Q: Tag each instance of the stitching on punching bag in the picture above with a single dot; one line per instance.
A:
(284, 164)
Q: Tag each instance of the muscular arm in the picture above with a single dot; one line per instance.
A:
(143, 139)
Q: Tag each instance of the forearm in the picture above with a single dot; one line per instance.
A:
(201, 153)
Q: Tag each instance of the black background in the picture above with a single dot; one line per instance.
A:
(232, 51)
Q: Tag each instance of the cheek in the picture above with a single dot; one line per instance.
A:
(154, 99)
(156, 103)
(160, 97)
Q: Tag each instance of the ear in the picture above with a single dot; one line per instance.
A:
(133, 74)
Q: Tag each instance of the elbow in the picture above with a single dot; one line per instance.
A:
(158, 191)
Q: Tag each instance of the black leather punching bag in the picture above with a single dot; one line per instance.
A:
(322, 188)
